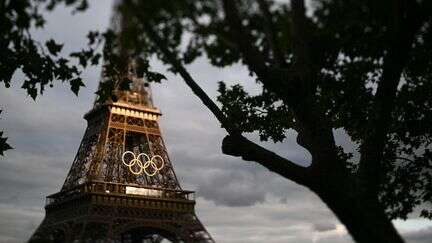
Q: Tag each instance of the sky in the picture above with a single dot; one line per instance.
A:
(237, 201)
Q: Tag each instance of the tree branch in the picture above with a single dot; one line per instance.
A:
(315, 130)
(291, 85)
(239, 146)
(282, 81)
(300, 48)
(196, 89)
(253, 57)
(271, 33)
(234, 144)
(405, 24)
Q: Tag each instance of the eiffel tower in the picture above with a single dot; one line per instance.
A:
(122, 186)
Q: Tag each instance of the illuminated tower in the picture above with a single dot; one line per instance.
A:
(122, 186)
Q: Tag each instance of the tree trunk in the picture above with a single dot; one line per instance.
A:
(363, 216)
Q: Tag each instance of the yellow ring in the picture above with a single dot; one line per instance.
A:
(148, 162)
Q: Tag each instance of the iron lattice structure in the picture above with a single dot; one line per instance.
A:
(102, 201)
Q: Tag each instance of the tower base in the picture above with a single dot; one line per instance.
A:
(119, 213)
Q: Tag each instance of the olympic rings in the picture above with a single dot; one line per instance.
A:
(137, 162)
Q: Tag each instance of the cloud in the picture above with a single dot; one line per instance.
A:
(419, 236)
(238, 201)
(323, 226)
(17, 222)
(232, 188)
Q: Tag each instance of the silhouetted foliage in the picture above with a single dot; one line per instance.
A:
(3, 144)
(362, 66)
(41, 63)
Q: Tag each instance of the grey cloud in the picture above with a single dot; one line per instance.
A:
(420, 236)
(270, 221)
(238, 201)
(232, 189)
(324, 226)
(193, 138)
(335, 239)
(18, 223)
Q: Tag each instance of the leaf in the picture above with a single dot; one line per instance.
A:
(3, 144)
(142, 66)
(76, 83)
(105, 91)
(125, 84)
(92, 36)
(82, 6)
(39, 21)
(53, 47)
(155, 77)
(95, 59)
(32, 92)
(81, 57)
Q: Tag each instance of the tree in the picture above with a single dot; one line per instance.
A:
(363, 66)
(41, 63)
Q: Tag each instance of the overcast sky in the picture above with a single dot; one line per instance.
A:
(237, 201)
